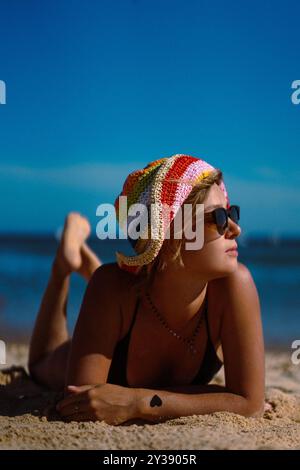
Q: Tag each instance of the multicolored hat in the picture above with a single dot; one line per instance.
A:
(154, 185)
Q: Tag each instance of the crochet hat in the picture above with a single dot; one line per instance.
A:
(154, 185)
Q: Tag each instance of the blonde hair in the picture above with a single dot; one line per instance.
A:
(171, 250)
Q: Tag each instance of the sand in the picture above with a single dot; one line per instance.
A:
(28, 419)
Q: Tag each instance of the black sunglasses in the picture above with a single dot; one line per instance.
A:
(219, 216)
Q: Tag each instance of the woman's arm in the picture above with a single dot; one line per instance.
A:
(97, 330)
(243, 352)
(155, 405)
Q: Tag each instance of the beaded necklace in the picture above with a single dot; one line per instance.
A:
(188, 341)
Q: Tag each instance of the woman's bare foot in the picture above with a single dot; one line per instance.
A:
(69, 253)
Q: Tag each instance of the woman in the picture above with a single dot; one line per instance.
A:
(154, 328)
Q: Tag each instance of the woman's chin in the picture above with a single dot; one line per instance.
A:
(230, 265)
(225, 270)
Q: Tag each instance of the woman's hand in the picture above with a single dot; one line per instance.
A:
(111, 403)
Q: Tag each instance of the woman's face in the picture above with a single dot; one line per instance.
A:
(212, 260)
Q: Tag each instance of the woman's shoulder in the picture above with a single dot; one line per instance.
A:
(113, 278)
(235, 285)
(224, 294)
(119, 286)
(240, 276)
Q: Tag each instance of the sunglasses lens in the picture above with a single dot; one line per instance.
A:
(221, 217)
(234, 213)
(221, 220)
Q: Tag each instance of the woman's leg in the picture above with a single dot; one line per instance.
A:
(50, 342)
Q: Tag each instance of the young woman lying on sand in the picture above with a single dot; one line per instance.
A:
(154, 328)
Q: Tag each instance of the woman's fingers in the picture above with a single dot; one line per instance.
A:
(78, 388)
(73, 399)
(75, 408)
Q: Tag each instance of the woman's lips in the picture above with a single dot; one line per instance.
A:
(232, 252)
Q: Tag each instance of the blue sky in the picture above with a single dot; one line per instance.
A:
(97, 89)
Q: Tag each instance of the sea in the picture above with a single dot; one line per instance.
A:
(25, 262)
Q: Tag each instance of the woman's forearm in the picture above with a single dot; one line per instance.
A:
(158, 405)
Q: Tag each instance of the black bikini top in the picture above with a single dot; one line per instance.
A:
(209, 367)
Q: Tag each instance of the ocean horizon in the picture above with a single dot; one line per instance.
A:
(25, 262)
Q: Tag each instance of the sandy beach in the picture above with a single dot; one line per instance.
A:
(28, 419)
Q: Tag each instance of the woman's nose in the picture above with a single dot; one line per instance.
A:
(233, 230)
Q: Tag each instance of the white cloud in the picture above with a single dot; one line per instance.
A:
(271, 205)
(90, 176)
(267, 193)
(290, 175)
(265, 206)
